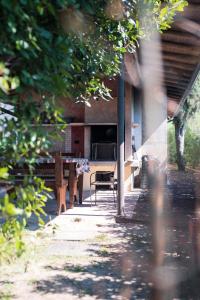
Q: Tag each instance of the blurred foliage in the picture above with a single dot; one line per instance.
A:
(65, 46)
(192, 104)
(190, 119)
(192, 148)
(171, 144)
(192, 142)
(50, 49)
(22, 139)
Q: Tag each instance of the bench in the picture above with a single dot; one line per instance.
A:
(51, 173)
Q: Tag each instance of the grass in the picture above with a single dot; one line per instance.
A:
(6, 294)
(75, 269)
(104, 251)
(101, 237)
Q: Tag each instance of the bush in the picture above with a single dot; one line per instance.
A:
(192, 145)
(171, 144)
(192, 148)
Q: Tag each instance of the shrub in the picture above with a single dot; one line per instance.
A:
(192, 148)
(192, 143)
(171, 144)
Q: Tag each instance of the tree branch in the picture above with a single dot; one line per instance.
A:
(7, 111)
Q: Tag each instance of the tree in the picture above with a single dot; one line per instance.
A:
(179, 126)
(190, 106)
(53, 48)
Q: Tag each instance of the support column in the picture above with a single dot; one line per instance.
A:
(120, 143)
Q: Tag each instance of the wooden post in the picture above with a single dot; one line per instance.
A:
(72, 183)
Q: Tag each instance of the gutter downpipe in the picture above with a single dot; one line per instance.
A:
(120, 142)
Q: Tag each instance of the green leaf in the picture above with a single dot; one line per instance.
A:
(14, 83)
(4, 173)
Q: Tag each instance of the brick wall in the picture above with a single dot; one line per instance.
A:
(72, 110)
(101, 112)
(63, 143)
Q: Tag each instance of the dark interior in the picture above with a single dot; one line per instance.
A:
(103, 142)
(104, 134)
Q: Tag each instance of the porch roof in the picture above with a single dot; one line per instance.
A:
(181, 54)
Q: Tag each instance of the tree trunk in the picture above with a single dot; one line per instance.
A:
(180, 138)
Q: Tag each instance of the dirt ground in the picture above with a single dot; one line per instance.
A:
(85, 254)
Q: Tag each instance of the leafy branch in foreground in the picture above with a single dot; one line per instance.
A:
(58, 48)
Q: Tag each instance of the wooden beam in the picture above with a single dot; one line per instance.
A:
(192, 12)
(175, 83)
(186, 59)
(180, 49)
(180, 83)
(171, 70)
(177, 72)
(174, 91)
(174, 94)
(187, 54)
(175, 87)
(180, 38)
(187, 25)
(176, 77)
(189, 87)
(179, 66)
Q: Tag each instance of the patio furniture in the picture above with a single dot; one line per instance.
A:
(61, 184)
(75, 167)
(51, 169)
(79, 184)
(78, 188)
(103, 179)
(50, 172)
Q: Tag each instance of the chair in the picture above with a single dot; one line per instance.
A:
(103, 179)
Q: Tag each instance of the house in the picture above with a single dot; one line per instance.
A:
(92, 132)
(169, 67)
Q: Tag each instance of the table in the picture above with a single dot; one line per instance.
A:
(77, 167)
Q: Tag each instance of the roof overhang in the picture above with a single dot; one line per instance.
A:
(181, 55)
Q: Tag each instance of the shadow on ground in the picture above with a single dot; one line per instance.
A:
(125, 270)
(121, 269)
